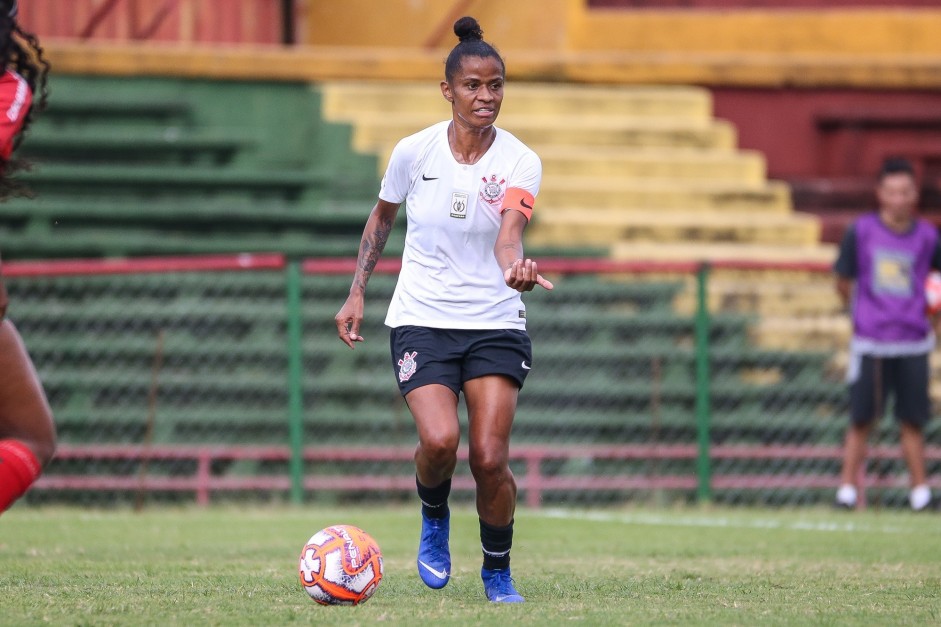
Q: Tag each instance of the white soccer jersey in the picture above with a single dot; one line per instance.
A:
(450, 278)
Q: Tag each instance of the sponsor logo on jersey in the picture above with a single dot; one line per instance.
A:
(407, 366)
(459, 205)
(19, 99)
(492, 191)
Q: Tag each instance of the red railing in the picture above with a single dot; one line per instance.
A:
(534, 483)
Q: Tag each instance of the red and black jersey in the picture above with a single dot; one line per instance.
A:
(15, 101)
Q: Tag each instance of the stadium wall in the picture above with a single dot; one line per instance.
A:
(189, 21)
(846, 83)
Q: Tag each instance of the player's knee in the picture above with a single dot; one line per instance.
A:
(489, 465)
(440, 449)
(912, 427)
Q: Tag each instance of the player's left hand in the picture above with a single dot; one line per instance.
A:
(523, 276)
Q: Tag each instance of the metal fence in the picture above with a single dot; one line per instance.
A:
(221, 378)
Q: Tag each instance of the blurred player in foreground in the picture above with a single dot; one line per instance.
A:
(884, 261)
(458, 322)
(27, 433)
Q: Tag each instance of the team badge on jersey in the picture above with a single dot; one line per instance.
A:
(407, 366)
(459, 205)
(492, 191)
(893, 272)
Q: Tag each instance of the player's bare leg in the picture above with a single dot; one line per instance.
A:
(434, 408)
(491, 406)
(854, 455)
(912, 441)
(27, 431)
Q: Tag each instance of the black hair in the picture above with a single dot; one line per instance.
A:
(471, 44)
(20, 51)
(896, 165)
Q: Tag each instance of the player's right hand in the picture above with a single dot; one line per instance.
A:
(348, 320)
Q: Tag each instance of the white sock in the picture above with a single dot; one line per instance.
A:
(846, 495)
(919, 497)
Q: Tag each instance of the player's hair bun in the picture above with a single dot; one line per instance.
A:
(468, 29)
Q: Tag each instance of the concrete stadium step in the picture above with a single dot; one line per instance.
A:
(599, 392)
(62, 210)
(650, 330)
(767, 198)
(176, 176)
(556, 227)
(820, 332)
(742, 166)
(107, 107)
(343, 98)
(50, 144)
(118, 241)
(767, 296)
(633, 251)
(377, 133)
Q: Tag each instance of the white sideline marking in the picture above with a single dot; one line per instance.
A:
(660, 520)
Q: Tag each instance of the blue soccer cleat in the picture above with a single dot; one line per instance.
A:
(498, 586)
(434, 556)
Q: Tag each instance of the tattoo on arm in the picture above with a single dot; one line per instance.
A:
(370, 250)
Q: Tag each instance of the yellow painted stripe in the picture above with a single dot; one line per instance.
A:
(314, 64)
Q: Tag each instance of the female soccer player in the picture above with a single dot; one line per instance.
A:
(27, 433)
(458, 322)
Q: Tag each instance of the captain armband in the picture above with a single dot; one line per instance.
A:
(519, 199)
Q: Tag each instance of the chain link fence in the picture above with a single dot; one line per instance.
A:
(214, 379)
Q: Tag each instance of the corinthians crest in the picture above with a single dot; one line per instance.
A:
(407, 366)
(492, 191)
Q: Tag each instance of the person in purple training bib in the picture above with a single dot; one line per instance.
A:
(884, 259)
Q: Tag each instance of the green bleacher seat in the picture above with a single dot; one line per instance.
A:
(149, 166)
(159, 145)
(64, 109)
(141, 243)
(169, 179)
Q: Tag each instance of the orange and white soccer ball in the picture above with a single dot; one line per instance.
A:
(341, 565)
(933, 293)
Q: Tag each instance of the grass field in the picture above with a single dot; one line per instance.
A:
(237, 566)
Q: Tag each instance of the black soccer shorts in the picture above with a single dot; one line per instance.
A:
(423, 355)
(904, 378)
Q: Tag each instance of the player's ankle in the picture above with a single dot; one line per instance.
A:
(846, 495)
(919, 497)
